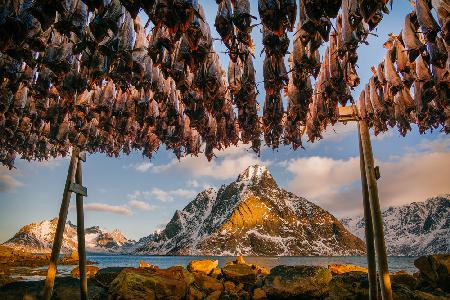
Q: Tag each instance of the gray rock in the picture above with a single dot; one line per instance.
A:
(297, 282)
(435, 270)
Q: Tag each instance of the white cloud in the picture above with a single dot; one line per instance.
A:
(339, 131)
(143, 166)
(384, 135)
(414, 177)
(141, 205)
(182, 193)
(161, 195)
(168, 196)
(51, 163)
(228, 163)
(335, 184)
(319, 176)
(7, 180)
(334, 134)
(440, 144)
(103, 207)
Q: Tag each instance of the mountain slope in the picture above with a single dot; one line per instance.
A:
(415, 229)
(252, 216)
(38, 237)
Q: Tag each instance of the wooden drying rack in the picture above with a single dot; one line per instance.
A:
(374, 232)
(372, 214)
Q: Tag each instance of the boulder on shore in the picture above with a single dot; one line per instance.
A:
(66, 288)
(239, 273)
(341, 269)
(349, 285)
(133, 283)
(259, 294)
(143, 264)
(240, 260)
(90, 271)
(205, 266)
(216, 272)
(105, 276)
(207, 283)
(435, 270)
(74, 255)
(297, 282)
(355, 286)
(404, 278)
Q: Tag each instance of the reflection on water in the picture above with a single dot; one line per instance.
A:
(396, 263)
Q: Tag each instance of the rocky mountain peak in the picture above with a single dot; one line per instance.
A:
(415, 229)
(254, 172)
(38, 237)
(251, 216)
(256, 176)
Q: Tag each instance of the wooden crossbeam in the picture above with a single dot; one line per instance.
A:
(78, 189)
(348, 113)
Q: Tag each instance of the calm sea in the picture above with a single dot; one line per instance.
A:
(396, 263)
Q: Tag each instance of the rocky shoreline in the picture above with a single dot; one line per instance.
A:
(16, 264)
(203, 279)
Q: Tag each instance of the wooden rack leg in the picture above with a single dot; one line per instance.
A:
(80, 234)
(380, 246)
(51, 272)
(371, 262)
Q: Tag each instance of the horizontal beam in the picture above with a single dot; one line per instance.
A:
(78, 189)
(348, 113)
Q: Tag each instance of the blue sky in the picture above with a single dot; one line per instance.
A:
(137, 195)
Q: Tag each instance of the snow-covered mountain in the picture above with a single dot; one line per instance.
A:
(38, 238)
(252, 216)
(415, 229)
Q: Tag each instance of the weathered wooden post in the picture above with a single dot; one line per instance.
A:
(57, 241)
(80, 231)
(371, 263)
(380, 246)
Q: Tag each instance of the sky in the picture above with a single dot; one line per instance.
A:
(138, 195)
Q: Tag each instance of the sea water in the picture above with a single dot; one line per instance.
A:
(396, 263)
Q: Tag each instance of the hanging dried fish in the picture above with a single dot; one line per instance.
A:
(275, 44)
(278, 15)
(442, 8)
(272, 118)
(428, 24)
(107, 19)
(242, 18)
(437, 53)
(390, 73)
(275, 74)
(409, 36)
(223, 23)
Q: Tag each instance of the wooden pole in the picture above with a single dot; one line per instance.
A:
(380, 246)
(371, 262)
(80, 234)
(51, 272)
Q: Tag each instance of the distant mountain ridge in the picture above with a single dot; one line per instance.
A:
(251, 216)
(415, 229)
(38, 237)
